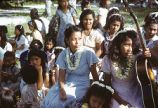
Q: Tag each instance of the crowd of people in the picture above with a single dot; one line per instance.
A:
(61, 69)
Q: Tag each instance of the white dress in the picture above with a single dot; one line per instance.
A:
(22, 41)
(102, 12)
(94, 37)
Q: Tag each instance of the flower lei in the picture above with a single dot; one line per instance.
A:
(71, 65)
(122, 71)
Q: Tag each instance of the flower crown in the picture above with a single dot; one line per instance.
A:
(102, 85)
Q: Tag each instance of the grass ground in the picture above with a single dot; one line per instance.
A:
(139, 12)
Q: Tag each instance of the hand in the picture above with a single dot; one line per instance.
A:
(63, 94)
(147, 53)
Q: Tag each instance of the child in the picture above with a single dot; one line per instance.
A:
(6, 98)
(10, 72)
(21, 41)
(67, 15)
(75, 63)
(114, 24)
(49, 50)
(103, 11)
(29, 94)
(35, 32)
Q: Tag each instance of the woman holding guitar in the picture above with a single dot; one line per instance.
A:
(120, 71)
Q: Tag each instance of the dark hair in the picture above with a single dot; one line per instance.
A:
(84, 3)
(150, 21)
(49, 39)
(112, 10)
(85, 13)
(29, 74)
(114, 49)
(21, 29)
(102, 4)
(32, 23)
(6, 98)
(41, 55)
(112, 18)
(3, 40)
(68, 32)
(97, 91)
(36, 44)
(3, 29)
(151, 16)
(60, 7)
(34, 14)
(12, 61)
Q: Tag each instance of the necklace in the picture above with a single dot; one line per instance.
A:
(73, 62)
(123, 68)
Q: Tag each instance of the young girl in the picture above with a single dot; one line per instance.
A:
(67, 15)
(103, 11)
(49, 50)
(92, 37)
(21, 41)
(29, 94)
(35, 33)
(114, 24)
(119, 69)
(75, 63)
(10, 72)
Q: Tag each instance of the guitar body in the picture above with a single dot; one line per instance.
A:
(146, 80)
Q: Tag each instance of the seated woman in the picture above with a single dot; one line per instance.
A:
(75, 63)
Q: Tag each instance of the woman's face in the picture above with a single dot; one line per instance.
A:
(17, 32)
(49, 45)
(64, 4)
(152, 30)
(114, 27)
(95, 102)
(75, 41)
(127, 48)
(88, 21)
(35, 60)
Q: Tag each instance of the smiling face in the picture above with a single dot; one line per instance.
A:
(126, 48)
(88, 21)
(75, 41)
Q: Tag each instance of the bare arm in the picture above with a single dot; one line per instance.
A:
(46, 81)
(98, 50)
(40, 77)
(94, 72)
(74, 19)
(62, 75)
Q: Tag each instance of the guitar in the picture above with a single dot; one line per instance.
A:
(144, 71)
